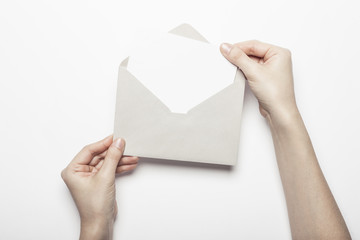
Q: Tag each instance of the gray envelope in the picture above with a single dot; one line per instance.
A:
(208, 133)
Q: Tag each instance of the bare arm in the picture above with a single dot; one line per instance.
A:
(90, 177)
(313, 212)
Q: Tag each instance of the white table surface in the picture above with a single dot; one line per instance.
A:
(58, 72)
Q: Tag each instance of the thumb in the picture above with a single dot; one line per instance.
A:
(239, 58)
(112, 158)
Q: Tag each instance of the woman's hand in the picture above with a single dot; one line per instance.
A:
(313, 212)
(268, 70)
(90, 177)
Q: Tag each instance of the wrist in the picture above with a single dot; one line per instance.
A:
(97, 228)
(285, 117)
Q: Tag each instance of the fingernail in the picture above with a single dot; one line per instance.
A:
(118, 143)
(226, 47)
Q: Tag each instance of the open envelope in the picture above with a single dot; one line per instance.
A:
(208, 133)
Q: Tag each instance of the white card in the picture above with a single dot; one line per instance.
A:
(181, 72)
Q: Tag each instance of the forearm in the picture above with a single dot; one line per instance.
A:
(96, 229)
(312, 210)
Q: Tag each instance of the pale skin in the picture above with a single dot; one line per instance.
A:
(90, 177)
(313, 212)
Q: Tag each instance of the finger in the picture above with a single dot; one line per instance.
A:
(237, 57)
(257, 49)
(256, 59)
(90, 151)
(125, 168)
(254, 47)
(113, 157)
(128, 160)
(98, 166)
(98, 158)
(85, 174)
(84, 168)
(81, 168)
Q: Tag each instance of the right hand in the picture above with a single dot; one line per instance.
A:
(268, 70)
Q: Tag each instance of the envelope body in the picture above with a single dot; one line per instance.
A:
(208, 133)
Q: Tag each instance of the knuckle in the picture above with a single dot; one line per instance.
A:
(88, 149)
(114, 152)
(287, 52)
(85, 148)
(235, 53)
(63, 174)
(104, 144)
(252, 48)
(255, 41)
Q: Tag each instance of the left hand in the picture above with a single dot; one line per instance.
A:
(90, 177)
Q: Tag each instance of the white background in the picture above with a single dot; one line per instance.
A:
(58, 72)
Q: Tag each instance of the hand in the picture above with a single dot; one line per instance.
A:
(90, 177)
(268, 70)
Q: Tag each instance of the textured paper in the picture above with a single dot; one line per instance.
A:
(208, 133)
(180, 71)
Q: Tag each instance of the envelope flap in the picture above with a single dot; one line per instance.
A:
(129, 89)
(186, 30)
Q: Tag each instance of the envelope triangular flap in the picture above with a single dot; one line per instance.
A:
(208, 133)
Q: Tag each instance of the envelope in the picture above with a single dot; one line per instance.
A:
(207, 133)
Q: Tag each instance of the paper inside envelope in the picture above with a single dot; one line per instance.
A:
(181, 72)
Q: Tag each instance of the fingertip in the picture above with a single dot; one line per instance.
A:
(109, 136)
(134, 160)
(225, 48)
(132, 167)
(126, 168)
(118, 143)
(128, 160)
(240, 59)
(108, 140)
